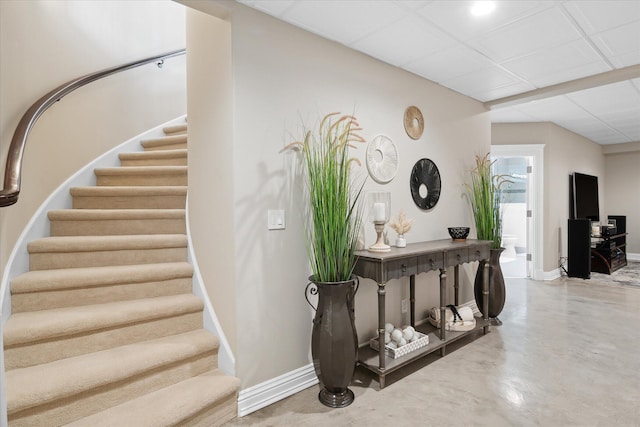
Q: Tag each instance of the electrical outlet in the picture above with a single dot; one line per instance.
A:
(404, 305)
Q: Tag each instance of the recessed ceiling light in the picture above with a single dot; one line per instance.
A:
(481, 8)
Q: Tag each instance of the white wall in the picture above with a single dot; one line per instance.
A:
(565, 152)
(211, 204)
(44, 44)
(622, 193)
(284, 77)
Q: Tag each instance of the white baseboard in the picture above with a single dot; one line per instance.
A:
(551, 275)
(633, 257)
(273, 390)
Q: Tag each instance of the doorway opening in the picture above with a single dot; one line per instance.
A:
(514, 206)
(521, 209)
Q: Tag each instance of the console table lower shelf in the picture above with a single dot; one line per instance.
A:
(369, 358)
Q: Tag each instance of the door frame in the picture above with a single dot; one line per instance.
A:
(535, 224)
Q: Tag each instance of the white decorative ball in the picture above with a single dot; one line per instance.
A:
(402, 342)
(387, 337)
(416, 337)
(392, 345)
(408, 333)
(396, 335)
(388, 327)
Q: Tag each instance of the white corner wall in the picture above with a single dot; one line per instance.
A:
(44, 44)
(211, 181)
(283, 77)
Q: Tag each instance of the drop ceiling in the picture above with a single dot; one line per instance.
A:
(573, 63)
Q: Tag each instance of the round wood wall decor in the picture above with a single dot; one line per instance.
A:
(413, 122)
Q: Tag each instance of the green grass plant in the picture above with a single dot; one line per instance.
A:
(485, 194)
(335, 214)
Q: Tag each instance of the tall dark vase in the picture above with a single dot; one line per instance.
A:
(334, 340)
(497, 292)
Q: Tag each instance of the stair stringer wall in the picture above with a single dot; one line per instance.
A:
(226, 359)
(39, 225)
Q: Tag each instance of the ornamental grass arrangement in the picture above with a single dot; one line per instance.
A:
(335, 213)
(485, 195)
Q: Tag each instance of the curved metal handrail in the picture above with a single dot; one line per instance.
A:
(13, 169)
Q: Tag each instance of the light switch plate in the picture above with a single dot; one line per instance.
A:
(275, 219)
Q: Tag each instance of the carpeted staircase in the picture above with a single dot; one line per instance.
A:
(105, 330)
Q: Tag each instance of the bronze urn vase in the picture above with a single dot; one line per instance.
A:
(497, 291)
(334, 340)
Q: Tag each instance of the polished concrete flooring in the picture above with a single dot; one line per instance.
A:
(568, 354)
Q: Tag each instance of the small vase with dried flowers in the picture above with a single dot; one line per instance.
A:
(401, 224)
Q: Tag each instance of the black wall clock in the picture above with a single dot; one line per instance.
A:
(425, 184)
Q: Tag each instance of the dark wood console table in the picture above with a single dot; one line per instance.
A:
(418, 258)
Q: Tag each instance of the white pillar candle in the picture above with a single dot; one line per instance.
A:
(379, 211)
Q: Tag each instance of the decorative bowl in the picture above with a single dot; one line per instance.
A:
(458, 233)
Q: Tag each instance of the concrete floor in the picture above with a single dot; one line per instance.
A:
(568, 354)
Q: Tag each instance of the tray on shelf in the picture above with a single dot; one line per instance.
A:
(394, 353)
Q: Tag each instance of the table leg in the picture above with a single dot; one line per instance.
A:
(381, 322)
(412, 298)
(485, 291)
(443, 288)
(456, 285)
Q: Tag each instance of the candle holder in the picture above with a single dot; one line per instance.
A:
(379, 213)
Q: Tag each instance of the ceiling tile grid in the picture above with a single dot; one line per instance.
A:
(522, 46)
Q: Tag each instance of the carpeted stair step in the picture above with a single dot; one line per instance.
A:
(154, 158)
(142, 176)
(172, 142)
(36, 337)
(83, 385)
(133, 197)
(208, 400)
(93, 251)
(71, 287)
(175, 129)
(103, 222)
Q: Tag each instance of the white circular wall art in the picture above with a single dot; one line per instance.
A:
(382, 159)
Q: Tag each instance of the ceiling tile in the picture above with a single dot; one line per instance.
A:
(569, 61)
(603, 134)
(596, 16)
(449, 63)
(343, 21)
(481, 81)
(555, 108)
(271, 7)
(616, 97)
(543, 30)
(404, 41)
(501, 92)
(630, 129)
(455, 17)
(625, 60)
(619, 41)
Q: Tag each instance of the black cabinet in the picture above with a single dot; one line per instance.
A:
(610, 251)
